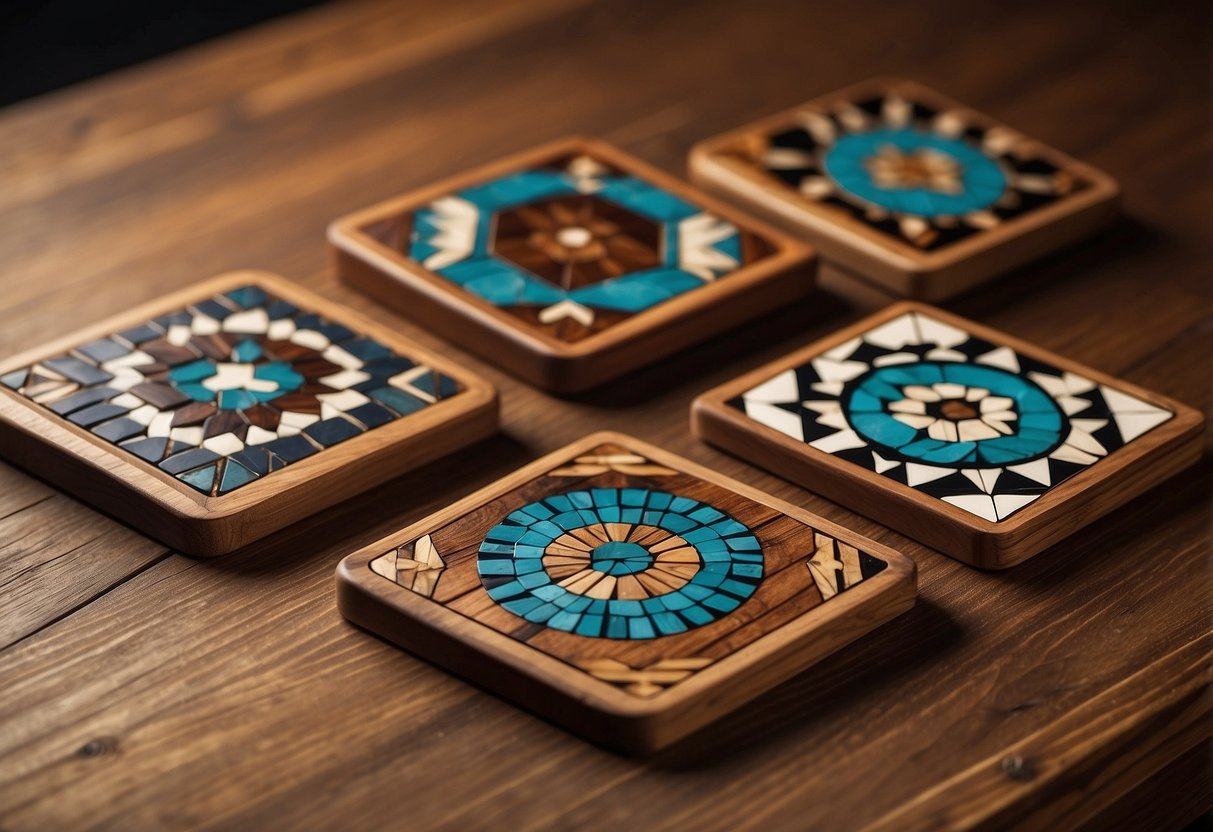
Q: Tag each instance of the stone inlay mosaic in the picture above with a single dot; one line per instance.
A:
(231, 388)
(574, 246)
(969, 421)
(922, 175)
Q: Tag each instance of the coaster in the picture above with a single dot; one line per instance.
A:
(981, 445)
(229, 410)
(569, 264)
(623, 592)
(906, 187)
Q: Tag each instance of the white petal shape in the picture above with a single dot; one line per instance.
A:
(921, 393)
(944, 431)
(976, 394)
(908, 406)
(948, 390)
(991, 404)
(914, 420)
(974, 430)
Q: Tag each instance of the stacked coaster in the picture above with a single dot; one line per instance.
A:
(226, 411)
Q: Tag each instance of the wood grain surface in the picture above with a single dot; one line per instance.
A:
(142, 689)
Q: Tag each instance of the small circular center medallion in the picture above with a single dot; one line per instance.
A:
(619, 557)
(573, 236)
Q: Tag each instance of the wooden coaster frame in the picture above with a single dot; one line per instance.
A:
(725, 165)
(427, 587)
(139, 492)
(1070, 502)
(368, 251)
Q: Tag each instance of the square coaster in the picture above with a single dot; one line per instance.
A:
(623, 592)
(228, 410)
(569, 264)
(978, 444)
(906, 187)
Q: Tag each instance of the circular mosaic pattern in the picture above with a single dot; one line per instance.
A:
(955, 414)
(915, 172)
(621, 563)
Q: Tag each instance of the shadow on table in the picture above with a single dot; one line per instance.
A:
(868, 670)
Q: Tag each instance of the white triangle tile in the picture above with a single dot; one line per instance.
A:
(830, 388)
(1072, 404)
(844, 440)
(881, 464)
(1037, 470)
(1007, 504)
(777, 418)
(937, 332)
(980, 504)
(1078, 384)
(781, 388)
(1053, 385)
(829, 414)
(1003, 358)
(1133, 425)
(917, 474)
(894, 334)
(1118, 401)
(829, 370)
(1082, 440)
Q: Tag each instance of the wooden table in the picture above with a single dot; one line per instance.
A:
(143, 689)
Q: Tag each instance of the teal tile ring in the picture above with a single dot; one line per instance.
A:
(911, 171)
(620, 563)
(956, 414)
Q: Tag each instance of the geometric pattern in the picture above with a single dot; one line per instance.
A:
(968, 421)
(416, 566)
(606, 563)
(836, 566)
(620, 563)
(646, 681)
(575, 246)
(921, 175)
(230, 389)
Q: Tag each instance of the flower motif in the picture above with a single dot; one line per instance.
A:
(955, 412)
(575, 241)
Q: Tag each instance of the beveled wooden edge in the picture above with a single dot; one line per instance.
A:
(1159, 713)
(709, 168)
(345, 234)
(179, 499)
(894, 585)
(1012, 538)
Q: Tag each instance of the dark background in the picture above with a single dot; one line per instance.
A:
(54, 43)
